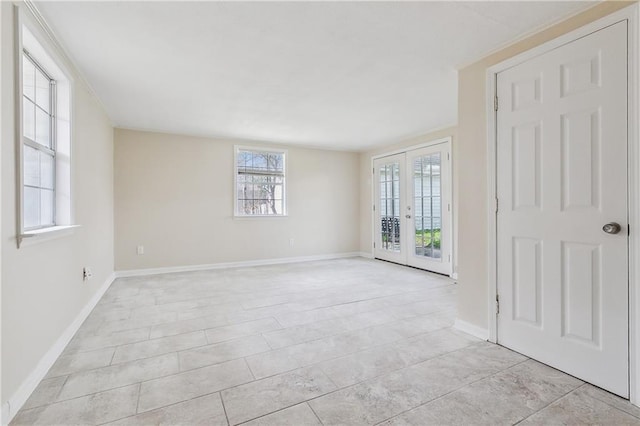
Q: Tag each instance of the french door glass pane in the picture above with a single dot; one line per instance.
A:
(390, 206)
(427, 204)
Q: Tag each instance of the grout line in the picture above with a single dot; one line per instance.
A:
(282, 327)
(552, 402)
(249, 367)
(623, 401)
(284, 408)
(61, 387)
(113, 355)
(159, 408)
(81, 396)
(314, 412)
(452, 391)
(139, 394)
(224, 408)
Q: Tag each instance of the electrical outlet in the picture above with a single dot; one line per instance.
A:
(86, 274)
(140, 250)
(290, 242)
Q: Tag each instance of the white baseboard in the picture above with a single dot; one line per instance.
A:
(241, 264)
(366, 254)
(17, 400)
(474, 330)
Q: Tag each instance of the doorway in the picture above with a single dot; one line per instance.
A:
(412, 207)
(562, 241)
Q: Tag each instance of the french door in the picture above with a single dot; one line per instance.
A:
(413, 208)
(562, 218)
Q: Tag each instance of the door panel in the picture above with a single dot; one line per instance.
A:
(389, 219)
(562, 175)
(429, 239)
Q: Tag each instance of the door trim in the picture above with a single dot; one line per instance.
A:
(445, 140)
(630, 14)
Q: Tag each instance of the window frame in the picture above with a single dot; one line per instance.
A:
(266, 150)
(26, 141)
(32, 36)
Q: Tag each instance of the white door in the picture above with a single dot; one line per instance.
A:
(562, 177)
(413, 208)
(389, 214)
(429, 208)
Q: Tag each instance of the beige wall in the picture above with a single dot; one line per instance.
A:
(366, 202)
(174, 196)
(472, 165)
(42, 286)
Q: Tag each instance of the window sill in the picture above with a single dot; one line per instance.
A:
(260, 216)
(37, 236)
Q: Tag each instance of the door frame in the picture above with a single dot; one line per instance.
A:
(632, 15)
(445, 140)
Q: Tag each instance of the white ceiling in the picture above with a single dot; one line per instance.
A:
(347, 75)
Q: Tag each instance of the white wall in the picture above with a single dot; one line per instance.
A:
(42, 286)
(174, 196)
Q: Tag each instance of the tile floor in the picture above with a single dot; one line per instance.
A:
(350, 341)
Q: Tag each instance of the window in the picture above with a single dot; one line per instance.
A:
(44, 137)
(39, 148)
(260, 182)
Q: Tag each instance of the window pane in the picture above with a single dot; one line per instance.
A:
(28, 78)
(46, 207)
(241, 159)
(31, 207)
(260, 183)
(42, 128)
(47, 170)
(28, 119)
(43, 88)
(31, 166)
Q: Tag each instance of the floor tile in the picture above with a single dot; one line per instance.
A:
(271, 363)
(153, 347)
(221, 352)
(186, 326)
(221, 334)
(91, 381)
(363, 365)
(93, 409)
(93, 341)
(522, 390)
(46, 392)
(184, 386)
(579, 408)
(610, 399)
(298, 415)
(204, 410)
(381, 398)
(265, 396)
(302, 333)
(81, 361)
